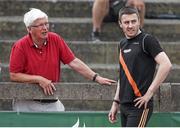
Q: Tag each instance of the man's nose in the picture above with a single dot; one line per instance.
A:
(130, 24)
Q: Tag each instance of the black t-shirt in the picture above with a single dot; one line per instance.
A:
(139, 59)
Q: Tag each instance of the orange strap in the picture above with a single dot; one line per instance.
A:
(129, 77)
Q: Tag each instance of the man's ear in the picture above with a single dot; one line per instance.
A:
(120, 24)
(28, 29)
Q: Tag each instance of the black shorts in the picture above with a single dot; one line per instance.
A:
(114, 7)
(132, 116)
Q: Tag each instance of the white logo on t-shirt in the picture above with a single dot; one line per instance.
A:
(127, 50)
(135, 42)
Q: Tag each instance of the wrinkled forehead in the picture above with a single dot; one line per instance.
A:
(129, 17)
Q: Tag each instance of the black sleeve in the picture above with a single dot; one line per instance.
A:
(152, 46)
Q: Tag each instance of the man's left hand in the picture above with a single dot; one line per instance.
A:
(143, 100)
(104, 81)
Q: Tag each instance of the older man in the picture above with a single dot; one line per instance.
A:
(36, 58)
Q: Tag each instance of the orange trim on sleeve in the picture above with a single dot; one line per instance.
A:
(129, 77)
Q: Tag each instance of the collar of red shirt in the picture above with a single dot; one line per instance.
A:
(33, 44)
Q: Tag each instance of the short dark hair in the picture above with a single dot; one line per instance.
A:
(128, 10)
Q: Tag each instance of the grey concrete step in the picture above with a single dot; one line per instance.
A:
(80, 29)
(106, 70)
(167, 9)
(54, 8)
(100, 53)
(80, 8)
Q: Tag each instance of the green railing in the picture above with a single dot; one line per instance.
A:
(69, 119)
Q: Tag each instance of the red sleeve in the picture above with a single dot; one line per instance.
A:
(17, 59)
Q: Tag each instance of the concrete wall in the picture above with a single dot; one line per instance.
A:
(86, 96)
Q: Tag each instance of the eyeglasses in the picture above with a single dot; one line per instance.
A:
(41, 25)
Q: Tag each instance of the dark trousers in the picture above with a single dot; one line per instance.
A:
(132, 116)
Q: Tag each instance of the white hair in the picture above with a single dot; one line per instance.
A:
(33, 15)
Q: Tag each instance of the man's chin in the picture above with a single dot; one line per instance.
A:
(45, 36)
(131, 35)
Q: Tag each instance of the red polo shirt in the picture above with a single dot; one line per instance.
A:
(46, 62)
